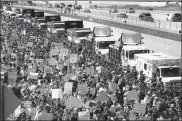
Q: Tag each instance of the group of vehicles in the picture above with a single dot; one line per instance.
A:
(128, 48)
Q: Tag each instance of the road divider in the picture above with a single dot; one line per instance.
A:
(172, 35)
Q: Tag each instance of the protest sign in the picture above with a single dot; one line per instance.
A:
(73, 103)
(48, 70)
(39, 60)
(29, 44)
(68, 87)
(60, 66)
(73, 76)
(54, 52)
(84, 116)
(27, 104)
(66, 78)
(33, 75)
(57, 93)
(92, 91)
(132, 95)
(90, 70)
(52, 61)
(67, 62)
(103, 96)
(12, 75)
(83, 88)
(73, 58)
(113, 87)
(140, 108)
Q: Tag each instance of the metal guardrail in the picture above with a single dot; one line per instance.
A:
(173, 26)
(173, 35)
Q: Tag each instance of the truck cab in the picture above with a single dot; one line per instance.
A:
(55, 27)
(163, 65)
(103, 38)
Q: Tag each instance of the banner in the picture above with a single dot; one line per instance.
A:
(73, 76)
(103, 96)
(57, 93)
(48, 70)
(140, 108)
(84, 116)
(83, 88)
(113, 87)
(68, 87)
(73, 103)
(52, 61)
(67, 62)
(73, 58)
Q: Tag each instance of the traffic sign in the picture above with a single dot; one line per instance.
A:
(10, 101)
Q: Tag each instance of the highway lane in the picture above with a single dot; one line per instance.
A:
(160, 19)
(157, 44)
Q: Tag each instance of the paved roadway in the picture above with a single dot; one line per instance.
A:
(157, 44)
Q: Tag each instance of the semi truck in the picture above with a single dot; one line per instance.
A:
(164, 66)
(126, 47)
(56, 27)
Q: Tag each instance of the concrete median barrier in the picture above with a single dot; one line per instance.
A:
(172, 35)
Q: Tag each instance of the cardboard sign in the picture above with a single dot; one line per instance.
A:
(48, 70)
(140, 108)
(39, 60)
(33, 75)
(84, 116)
(73, 58)
(60, 66)
(27, 104)
(83, 88)
(103, 96)
(68, 87)
(52, 61)
(92, 91)
(66, 78)
(73, 76)
(67, 62)
(73, 103)
(12, 75)
(113, 87)
(132, 95)
(29, 44)
(90, 70)
(57, 93)
(54, 52)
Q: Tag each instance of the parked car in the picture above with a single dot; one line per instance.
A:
(8, 9)
(122, 15)
(174, 17)
(130, 10)
(146, 17)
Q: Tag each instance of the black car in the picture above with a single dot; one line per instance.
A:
(146, 17)
(69, 5)
(78, 7)
(122, 15)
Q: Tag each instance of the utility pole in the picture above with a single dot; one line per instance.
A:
(75, 2)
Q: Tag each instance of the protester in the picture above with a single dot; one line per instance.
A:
(98, 89)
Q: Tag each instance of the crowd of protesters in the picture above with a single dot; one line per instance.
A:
(161, 103)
